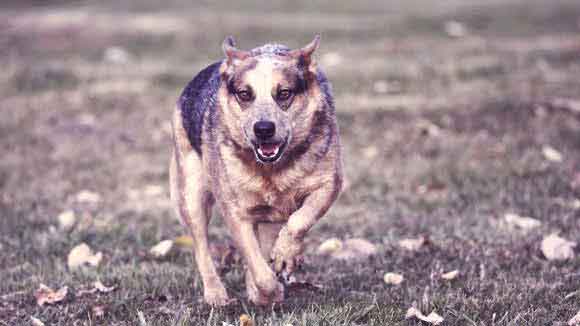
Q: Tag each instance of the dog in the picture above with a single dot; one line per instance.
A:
(256, 134)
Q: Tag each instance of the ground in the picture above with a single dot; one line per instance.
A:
(446, 114)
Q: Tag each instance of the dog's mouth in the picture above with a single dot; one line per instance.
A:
(269, 152)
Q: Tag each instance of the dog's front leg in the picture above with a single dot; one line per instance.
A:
(260, 273)
(289, 245)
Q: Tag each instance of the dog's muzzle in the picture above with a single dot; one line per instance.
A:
(269, 152)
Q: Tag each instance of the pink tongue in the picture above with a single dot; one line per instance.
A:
(268, 149)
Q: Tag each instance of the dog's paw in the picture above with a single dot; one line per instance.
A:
(260, 298)
(217, 297)
(286, 254)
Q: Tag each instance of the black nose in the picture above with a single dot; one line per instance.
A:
(264, 129)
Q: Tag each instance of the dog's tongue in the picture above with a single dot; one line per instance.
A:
(268, 149)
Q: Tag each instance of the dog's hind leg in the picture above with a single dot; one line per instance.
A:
(193, 203)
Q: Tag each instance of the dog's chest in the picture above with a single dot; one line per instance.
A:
(272, 199)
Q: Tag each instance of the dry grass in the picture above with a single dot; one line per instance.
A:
(442, 137)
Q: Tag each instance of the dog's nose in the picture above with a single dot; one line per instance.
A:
(264, 129)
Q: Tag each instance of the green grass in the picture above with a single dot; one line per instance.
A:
(467, 118)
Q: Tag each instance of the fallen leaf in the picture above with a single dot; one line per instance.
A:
(363, 247)
(450, 275)
(246, 320)
(293, 285)
(153, 190)
(551, 154)
(66, 220)
(88, 197)
(161, 249)
(393, 278)
(102, 288)
(522, 222)
(432, 318)
(412, 244)
(329, 246)
(83, 255)
(331, 59)
(166, 311)
(36, 322)
(98, 311)
(97, 286)
(455, 29)
(575, 321)
(557, 248)
(184, 241)
(381, 86)
(45, 295)
(354, 249)
(116, 55)
(370, 152)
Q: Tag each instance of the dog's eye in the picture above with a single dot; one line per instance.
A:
(244, 95)
(284, 94)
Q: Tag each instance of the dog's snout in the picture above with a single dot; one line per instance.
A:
(264, 129)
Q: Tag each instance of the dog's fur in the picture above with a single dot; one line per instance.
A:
(268, 206)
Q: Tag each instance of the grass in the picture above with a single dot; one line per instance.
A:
(453, 143)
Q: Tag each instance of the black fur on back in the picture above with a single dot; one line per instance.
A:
(197, 100)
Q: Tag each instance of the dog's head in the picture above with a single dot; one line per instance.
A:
(267, 89)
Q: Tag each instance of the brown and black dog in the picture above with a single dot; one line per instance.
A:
(257, 134)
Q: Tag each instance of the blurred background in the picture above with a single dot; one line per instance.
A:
(453, 114)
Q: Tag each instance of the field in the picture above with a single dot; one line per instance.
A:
(452, 116)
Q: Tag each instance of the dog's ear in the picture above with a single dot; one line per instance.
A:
(231, 52)
(304, 54)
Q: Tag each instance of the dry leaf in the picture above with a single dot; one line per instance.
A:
(370, 152)
(551, 154)
(450, 275)
(455, 29)
(98, 311)
(353, 249)
(116, 55)
(331, 59)
(293, 285)
(36, 322)
(575, 321)
(432, 318)
(412, 244)
(97, 286)
(393, 278)
(184, 241)
(522, 222)
(88, 197)
(82, 255)
(329, 246)
(246, 320)
(161, 249)
(153, 190)
(363, 247)
(66, 220)
(557, 248)
(46, 295)
(381, 86)
(102, 288)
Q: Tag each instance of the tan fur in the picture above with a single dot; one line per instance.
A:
(281, 201)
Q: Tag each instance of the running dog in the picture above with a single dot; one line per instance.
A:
(256, 134)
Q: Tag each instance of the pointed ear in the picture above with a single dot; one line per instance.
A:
(305, 54)
(231, 52)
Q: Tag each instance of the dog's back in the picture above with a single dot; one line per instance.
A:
(197, 100)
